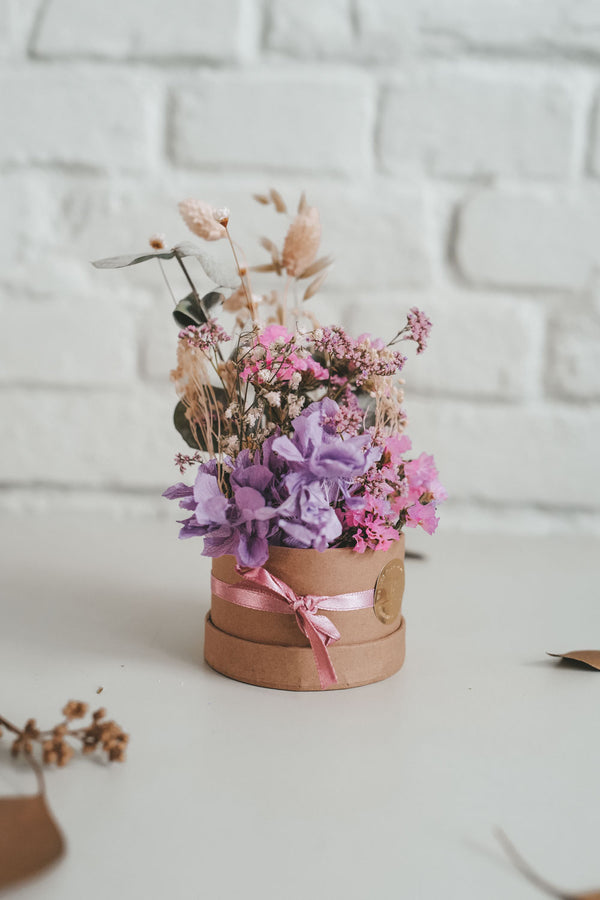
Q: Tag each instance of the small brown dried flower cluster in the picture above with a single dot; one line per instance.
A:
(56, 745)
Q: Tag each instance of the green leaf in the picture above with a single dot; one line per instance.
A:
(189, 312)
(184, 428)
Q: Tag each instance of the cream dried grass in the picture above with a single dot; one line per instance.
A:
(200, 219)
(302, 242)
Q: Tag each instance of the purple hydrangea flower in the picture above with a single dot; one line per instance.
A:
(245, 529)
(307, 519)
(317, 453)
(283, 494)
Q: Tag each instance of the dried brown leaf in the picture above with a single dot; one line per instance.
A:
(262, 198)
(29, 838)
(269, 245)
(273, 249)
(319, 264)
(267, 267)
(236, 301)
(590, 658)
(525, 869)
(278, 201)
(302, 205)
(314, 286)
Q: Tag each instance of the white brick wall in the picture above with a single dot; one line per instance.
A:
(453, 147)
(283, 123)
(177, 31)
(90, 119)
(457, 125)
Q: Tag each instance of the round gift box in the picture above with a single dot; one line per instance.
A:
(269, 649)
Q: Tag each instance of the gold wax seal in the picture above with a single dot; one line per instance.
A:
(389, 590)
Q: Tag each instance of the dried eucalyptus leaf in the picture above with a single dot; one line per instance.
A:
(29, 838)
(278, 201)
(223, 274)
(187, 248)
(131, 259)
(314, 286)
(183, 426)
(590, 658)
(317, 266)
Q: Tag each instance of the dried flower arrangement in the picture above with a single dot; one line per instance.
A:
(298, 430)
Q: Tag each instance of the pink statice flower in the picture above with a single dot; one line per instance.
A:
(423, 514)
(205, 336)
(277, 356)
(374, 529)
(273, 334)
(422, 475)
(423, 493)
(350, 417)
(395, 492)
(420, 327)
(360, 359)
(184, 460)
(394, 448)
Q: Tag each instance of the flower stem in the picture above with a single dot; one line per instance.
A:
(166, 280)
(39, 774)
(243, 277)
(10, 726)
(28, 756)
(285, 300)
(196, 295)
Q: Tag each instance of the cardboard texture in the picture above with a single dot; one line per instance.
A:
(268, 649)
(589, 658)
(29, 838)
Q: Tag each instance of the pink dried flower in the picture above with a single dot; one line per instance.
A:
(276, 357)
(374, 528)
(200, 218)
(423, 515)
(420, 327)
(183, 461)
(349, 419)
(205, 336)
(302, 242)
(361, 359)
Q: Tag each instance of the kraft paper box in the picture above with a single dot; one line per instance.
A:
(269, 649)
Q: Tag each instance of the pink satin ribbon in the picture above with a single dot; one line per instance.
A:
(264, 591)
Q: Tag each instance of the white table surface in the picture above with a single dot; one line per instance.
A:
(389, 791)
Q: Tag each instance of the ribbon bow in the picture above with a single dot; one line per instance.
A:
(262, 590)
(318, 629)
